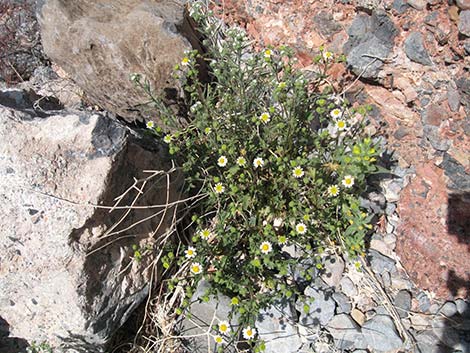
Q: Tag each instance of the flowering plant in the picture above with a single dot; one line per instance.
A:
(280, 160)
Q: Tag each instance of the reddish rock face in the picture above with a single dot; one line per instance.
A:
(432, 242)
(425, 117)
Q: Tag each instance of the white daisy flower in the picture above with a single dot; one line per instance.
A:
(196, 268)
(328, 55)
(348, 181)
(298, 172)
(195, 107)
(219, 188)
(241, 161)
(222, 161)
(277, 222)
(258, 162)
(224, 327)
(265, 117)
(218, 339)
(336, 113)
(282, 239)
(266, 247)
(190, 252)
(185, 61)
(301, 228)
(150, 124)
(333, 190)
(341, 125)
(268, 53)
(249, 333)
(168, 138)
(205, 234)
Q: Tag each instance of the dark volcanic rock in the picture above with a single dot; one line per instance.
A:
(415, 50)
(370, 42)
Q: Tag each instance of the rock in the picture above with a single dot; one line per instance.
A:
(390, 209)
(46, 82)
(368, 6)
(420, 322)
(464, 23)
(333, 270)
(401, 132)
(344, 305)
(403, 303)
(428, 342)
(419, 243)
(202, 314)
(374, 202)
(380, 246)
(463, 4)
(326, 23)
(381, 263)
(458, 177)
(101, 43)
(462, 307)
(67, 274)
(417, 4)
(320, 310)
(449, 309)
(275, 327)
(434, 115)
(370, 42)
(466, 46)
(433, 135)
(21, 48)
(400, 6)
(447, 334)
(346, 333)
(424, 302)
(391, 189)
(453, 99)
(415, 50)
(381, 334)
(347, 287)
(358, 316)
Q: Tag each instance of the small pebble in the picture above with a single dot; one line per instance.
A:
(449, 309)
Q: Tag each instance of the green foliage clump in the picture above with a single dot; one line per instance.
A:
(280, 161)
(43, 347)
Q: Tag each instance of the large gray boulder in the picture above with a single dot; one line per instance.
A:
(67, 275)
(99, 43)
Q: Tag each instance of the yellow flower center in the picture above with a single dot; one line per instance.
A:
(265, 247)
(249, 333)
(223, 327)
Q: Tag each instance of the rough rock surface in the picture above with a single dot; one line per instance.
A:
(370, 43)
(101, 43)
(415, 50)
(19, 41)
(275, 327)
(54, 286)
(203, 314)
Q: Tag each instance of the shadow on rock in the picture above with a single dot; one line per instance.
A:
(10, 344)
(454, 327)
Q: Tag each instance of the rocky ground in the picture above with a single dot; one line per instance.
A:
(409, 59)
